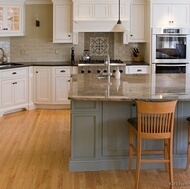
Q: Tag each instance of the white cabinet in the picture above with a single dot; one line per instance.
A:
(62, 24)
(99, 16)
(170, 14)
(137, 69)
(11, 19)
(98, 10)
(51, 84)
(14, 89)
(137, 23)
(62, 84)
(42, 84)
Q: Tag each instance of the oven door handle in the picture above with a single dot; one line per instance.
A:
(170, 65)
(163, 35)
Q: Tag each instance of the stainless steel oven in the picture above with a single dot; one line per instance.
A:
(170, 45)
(170, 68)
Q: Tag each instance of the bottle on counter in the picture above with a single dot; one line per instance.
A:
(117, 74)
(72, 56)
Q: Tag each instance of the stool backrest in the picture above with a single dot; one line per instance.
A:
(156, 118)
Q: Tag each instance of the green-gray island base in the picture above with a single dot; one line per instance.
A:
(100, 108)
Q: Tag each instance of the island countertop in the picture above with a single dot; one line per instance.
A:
(130, 87)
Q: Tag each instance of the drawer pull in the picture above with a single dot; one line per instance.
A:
(14, 83)
(14, 73)
(139, 70)
(62, 71)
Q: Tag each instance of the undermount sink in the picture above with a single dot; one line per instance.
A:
(8, 65)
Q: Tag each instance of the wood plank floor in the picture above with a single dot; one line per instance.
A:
(35, 151)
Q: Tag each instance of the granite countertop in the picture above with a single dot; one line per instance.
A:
(130, 87)
(26, 64)
(136, 63)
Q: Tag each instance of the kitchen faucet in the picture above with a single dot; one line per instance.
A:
(3, 59)
(107, 63)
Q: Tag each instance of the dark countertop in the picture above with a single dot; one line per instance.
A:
(62, 63)
(22, 64)
(135, 63)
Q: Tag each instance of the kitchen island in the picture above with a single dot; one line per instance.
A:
(100, 108)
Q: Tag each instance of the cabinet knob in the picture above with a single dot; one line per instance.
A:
(36, 71)
(14, 73)
(139, 70)
(68, 80)
(131, 35)
(62, 71)
(69, 35)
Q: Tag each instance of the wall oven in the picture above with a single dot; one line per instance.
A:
(170, 45)
(170, 68)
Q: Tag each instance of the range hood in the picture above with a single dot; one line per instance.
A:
(99, 16)
(96, 26)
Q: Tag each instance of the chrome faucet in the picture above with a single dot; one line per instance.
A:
(107, 63)
(3, 59)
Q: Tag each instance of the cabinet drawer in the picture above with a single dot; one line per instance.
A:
(62, 71)
(11, 73)
(136, 69)
(139, 70)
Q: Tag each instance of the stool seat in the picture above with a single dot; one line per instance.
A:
(188, 119)
(188, 145)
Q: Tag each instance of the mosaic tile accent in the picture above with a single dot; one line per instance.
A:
(103, 43)
(99, 46)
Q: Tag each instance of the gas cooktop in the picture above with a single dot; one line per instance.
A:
(99, 61)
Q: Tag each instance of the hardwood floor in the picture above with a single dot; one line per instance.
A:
(35, 151)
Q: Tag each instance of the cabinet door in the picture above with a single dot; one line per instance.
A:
(7, 93)
(62, 87)
(20, 91)
(161, 14)
(11, 20)
(62, 29)
(180, 14)
(137, 22)
(43, 86)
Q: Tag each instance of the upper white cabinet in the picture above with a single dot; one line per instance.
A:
(99, 16)
(62, 21)
(137, 22)
(170, 14)
(12, 18)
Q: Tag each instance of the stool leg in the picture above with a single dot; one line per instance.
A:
(188, 148)
(131, 134)
(171, 163)
(166, 152)
(138, 163)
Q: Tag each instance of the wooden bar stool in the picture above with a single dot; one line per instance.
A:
(188, 145)
(155, 120)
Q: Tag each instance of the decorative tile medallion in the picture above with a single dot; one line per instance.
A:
(99, 46)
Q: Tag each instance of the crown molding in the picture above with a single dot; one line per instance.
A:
(38, 2)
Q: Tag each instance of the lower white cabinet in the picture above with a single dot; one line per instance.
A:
(42, 84)
(137, 69)
(62, 85)
(51, 84)
(14, 89)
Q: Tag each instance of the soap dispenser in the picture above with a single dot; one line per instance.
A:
(117, 74)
